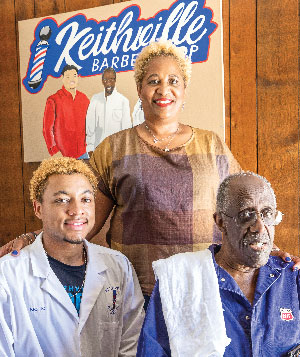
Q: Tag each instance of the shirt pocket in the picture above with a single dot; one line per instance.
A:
(117, 115)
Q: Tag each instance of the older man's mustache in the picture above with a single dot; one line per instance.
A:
(254, 238)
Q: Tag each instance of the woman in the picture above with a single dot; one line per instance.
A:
(160, 178)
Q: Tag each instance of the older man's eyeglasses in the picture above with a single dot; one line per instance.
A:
(249, 217)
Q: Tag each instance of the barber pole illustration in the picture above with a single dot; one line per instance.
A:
(36, 71)
(286, 314)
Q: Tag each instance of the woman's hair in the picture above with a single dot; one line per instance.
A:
(58, 166)
(158, 49)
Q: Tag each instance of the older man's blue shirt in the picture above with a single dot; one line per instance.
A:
(268, 327)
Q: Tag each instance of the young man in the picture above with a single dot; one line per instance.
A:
(64, 117)
(233, 300)
(64, 296)
(108, 112)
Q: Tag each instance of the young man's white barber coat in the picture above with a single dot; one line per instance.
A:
(37, 317)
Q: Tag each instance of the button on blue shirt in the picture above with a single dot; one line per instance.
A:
(268, 327)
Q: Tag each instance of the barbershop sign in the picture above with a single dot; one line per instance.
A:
(93, 44)
(112, 36)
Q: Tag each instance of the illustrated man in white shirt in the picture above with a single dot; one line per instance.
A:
(64, 296)
(108, 112)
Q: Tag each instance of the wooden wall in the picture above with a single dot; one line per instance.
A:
(261, 48)
(261, 59)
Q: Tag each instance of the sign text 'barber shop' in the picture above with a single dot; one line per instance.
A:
(93, 45)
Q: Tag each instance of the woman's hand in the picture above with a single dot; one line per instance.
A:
(15, 245)
(286, 257)
(7, 248)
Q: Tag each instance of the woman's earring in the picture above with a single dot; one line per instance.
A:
(141, 104)
(182, 107)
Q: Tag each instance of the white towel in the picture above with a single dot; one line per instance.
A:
(191, 304)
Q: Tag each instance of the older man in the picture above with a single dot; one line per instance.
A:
(64, 296)
(232, 300)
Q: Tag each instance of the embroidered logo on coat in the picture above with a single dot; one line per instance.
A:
(113, 292)
(36, 309)
(286, 314)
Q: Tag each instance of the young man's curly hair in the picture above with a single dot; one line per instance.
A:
(58, 166)
(162, 48)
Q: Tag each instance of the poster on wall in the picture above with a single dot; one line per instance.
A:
(76, 68)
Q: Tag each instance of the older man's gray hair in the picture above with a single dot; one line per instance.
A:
(222, 195)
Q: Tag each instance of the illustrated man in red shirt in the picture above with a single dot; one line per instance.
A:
(64, 117)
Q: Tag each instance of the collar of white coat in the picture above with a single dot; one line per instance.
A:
(41, 267)
(94, 280)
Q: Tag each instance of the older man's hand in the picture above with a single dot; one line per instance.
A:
(286, 257)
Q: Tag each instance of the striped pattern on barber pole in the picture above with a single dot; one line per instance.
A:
(38, 62)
